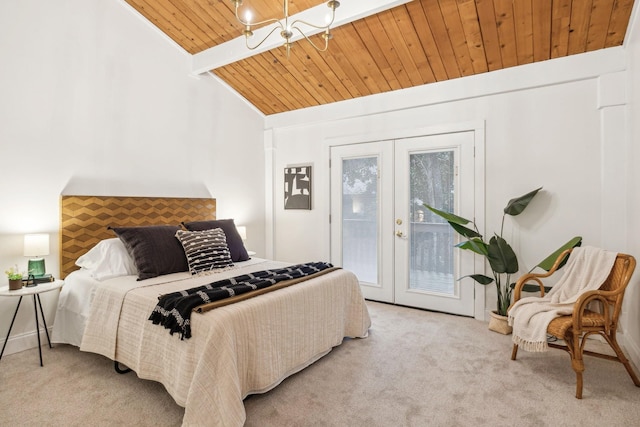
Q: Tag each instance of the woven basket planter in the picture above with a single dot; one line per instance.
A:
(14, 285)
(498, 323)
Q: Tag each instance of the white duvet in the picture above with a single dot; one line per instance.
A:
(239, 349)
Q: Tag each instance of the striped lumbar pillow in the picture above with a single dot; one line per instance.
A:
(205, 250)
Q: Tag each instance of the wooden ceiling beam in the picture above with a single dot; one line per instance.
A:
(366, 69)
(489, 31)
(441, 36)
(560, 28)
(506, 32)
(579, 30)
(523, 23)
(451, 19)
(394, 22)
(470, 22)
(385, 47)
(619, 21)
(541, 30)
(381, 62)
(425, 35)
(597, 33)
(413, 46)
(235, 50)
(414, 43)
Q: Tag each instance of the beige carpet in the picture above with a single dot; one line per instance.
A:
(416, 368)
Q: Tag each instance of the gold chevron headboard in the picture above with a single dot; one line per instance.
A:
(84, 219)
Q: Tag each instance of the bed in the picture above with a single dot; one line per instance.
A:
(235, 349)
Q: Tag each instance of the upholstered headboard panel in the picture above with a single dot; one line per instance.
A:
(84, 219)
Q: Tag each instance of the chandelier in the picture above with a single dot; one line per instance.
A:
(286, 28)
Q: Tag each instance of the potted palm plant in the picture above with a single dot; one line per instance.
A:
(501, 257)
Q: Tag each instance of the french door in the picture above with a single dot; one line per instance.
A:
(381, 230)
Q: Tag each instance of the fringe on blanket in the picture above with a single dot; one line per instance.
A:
(530, 346)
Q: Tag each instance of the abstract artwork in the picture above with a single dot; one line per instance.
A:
(297, 187)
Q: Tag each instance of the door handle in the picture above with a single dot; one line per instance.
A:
(400, 234)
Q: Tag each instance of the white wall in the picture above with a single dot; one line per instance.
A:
(559, 124)
(94, 100)
(539, 132)
(632, 297)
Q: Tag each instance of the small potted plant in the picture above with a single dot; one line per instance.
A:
(15, 278)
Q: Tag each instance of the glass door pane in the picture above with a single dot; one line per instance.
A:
(360, 218)
(437, 170)
(362, 215)
(431, 239)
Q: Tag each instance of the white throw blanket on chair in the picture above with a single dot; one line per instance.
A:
(586, 270)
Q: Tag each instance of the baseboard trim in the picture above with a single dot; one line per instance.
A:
(25, 341)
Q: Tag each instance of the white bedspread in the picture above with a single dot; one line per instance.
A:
(236, 350)
(73, 308)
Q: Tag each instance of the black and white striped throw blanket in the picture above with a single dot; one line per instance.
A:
(173, 310)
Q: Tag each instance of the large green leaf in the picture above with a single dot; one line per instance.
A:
(480, 278)
(475, 245)
(448, 216)
(501, 256)
(517, 205)
(534, 288)
(548, 262)
(466, 232)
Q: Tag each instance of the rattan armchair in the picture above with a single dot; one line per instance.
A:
(586, 318)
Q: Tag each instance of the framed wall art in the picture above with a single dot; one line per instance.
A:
(297, 187)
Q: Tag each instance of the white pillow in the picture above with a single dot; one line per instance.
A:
(108, 259)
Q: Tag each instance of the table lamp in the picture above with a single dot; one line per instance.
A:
(242, 231)
(36, 246)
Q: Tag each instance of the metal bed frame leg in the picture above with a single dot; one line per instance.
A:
(116, 366)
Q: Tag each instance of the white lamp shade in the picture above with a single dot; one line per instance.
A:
(242, 230)
(36, 245)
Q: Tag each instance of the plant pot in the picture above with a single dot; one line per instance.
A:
(498, 323)
(14, 285)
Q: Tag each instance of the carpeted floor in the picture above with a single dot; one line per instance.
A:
(416, 368)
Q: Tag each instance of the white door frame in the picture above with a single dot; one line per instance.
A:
(478, 129)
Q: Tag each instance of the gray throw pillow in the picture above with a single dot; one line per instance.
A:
(155, 249)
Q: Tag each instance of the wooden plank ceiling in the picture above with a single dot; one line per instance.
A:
(421, 42)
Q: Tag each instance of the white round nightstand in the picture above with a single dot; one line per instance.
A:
(35, 291)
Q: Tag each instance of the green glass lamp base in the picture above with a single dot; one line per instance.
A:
(35, 267)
